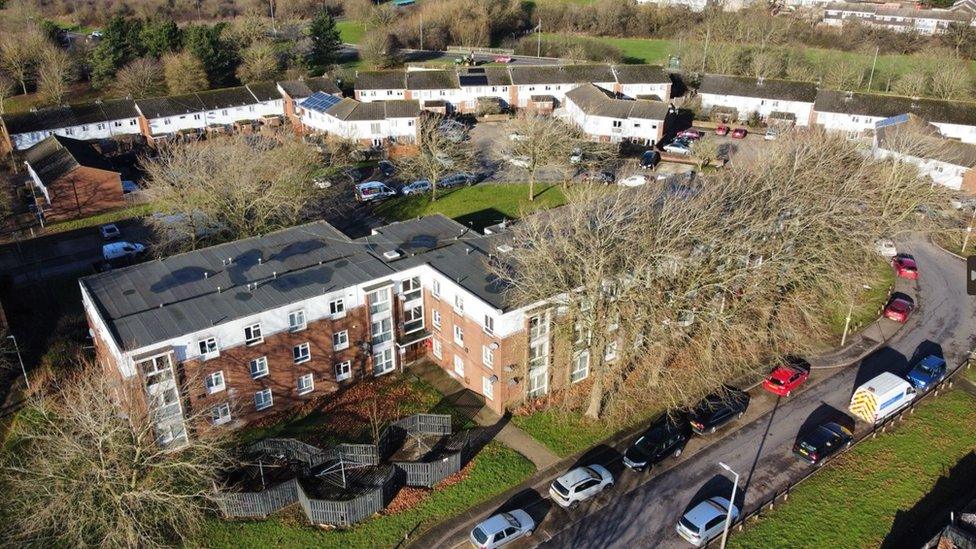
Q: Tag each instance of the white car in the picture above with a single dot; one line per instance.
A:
(885, 247)
(633, 181)
(110, 231)
(515, 136)
(118, 250)
(580, 484)
(677, 148)
(502, 529)
(706, 521)
(520, 161)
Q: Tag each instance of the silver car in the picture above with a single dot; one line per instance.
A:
(502, 529)
(580, 484)
(705, 521)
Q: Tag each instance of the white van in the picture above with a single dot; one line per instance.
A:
(119, 250)
(881, 397)
(373, 190)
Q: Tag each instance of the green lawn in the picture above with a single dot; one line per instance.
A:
(141, 210)
(495, 469)
(478, 205)
(350, 32)
(891, 484)
(565, 433)
(869, 301)
(634, 50)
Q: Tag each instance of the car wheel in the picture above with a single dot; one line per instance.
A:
(712, 430)
(740, 415)
(677, 452)
(574, 505)
(608, 486)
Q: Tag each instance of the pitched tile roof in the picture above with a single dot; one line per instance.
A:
(885, 106)
(381, 80)
(55, 156)
(161, 107)
(561, 74)
(769, 88)
(924, 140)
(226, 97)
(595, 101)
(53, 118)
(300, 89)
(432, 80)
(484, 76)
(264, 91)
(641, 74)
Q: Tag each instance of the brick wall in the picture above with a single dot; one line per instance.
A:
(83, 192)
(283, 373)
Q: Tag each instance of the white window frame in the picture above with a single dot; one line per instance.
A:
(387, 358)
(340, 340)
(220, 414)
(307, 353)
(412, 289)
(435, 289)
(458, 366)
(418, 321)
(458, 335)
(311, 384)
(459, 304)
(208, 348)
(261, 372)
(343, 370)
(337, 308)
(487, 356)
(299, 316)
(382, 330)
(264, 404)
(583, 357)
(212, 384)
(437, 348)
(253, 329)
(436, 319)
(489, 325)
(487, 388)
(379, 301)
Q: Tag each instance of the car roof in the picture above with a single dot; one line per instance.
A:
(574, 477)
(906, 261)
(821, 434)
(784, 371)
(706, 511)
(932, 361)
(494, 524)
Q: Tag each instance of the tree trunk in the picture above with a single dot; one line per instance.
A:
(433, 190)
(532, 186)
(596, 396)
(23, 85)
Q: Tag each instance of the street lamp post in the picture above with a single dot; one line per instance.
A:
(728, 517)
(21, 360)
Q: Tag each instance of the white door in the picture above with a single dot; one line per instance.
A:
(487, 387)
(458, 366)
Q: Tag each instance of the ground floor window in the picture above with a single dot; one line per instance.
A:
(220, 414)
(458, 366)
(343, 370)
(383, 362)
(581, 367)
(437, 348)
(306, 384)
(538, 382)
(488, 387)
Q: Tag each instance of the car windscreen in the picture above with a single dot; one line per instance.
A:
(560, 488)
(479, 535)
(690, 526)
(775, 381)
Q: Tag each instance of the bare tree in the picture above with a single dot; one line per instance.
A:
(141, 78)
(184, 72)
(55, 73)
(913, 84)
(230, 188)
(952, 80)
(705, 150)
(82, 468)
(259, 62)
(7, 88)
(440, 151)
(380, 49)
(537, 142)
(20, 53)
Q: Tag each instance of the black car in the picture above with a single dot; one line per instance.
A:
(604, 176)
(821, 442)
(666, 436)
(650, 159)
(386, 168)
(717, 409)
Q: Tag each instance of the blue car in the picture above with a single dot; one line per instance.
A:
(929, 371)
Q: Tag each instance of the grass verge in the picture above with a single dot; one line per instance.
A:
(477, 206)
(142, 210)
(565, 433)
(868, 302)
(350, 32)
(883, 489)
(494, 470)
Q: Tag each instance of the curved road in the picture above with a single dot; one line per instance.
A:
(761, 450)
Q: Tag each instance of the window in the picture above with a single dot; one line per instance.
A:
(215, 382)
(383, 362)
(220, 414)
(458, 366)
(487, 355)
(337, 308)
(301, 353)
(489, 325)
(436, 319)
(617, 123)
(382, 330)
(296, 320)
(263, 399)
(195, 117)
(438, 350)
(252, 334)
(610, 352)
(538, 327)
(458, 335)
(436, 288)
(340, 340)
(488, 387)
(581, 367)
(208, 348)
(259, 367)
(412, 289)
(156, 370)
(343, 370)
(413, 319)
(379, 301)
(459, 304)
(306, 384)
(538, 382)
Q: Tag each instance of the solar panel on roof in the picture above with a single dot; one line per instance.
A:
(901, 118)
(319, 101)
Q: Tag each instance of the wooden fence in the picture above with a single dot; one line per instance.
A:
(258, 504)
(427, 474)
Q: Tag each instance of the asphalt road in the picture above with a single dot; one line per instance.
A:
(760, 450)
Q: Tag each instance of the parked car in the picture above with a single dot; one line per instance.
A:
(717, 409)
(821, 442)
(387, 168)
(962, 203)
(678, 146)
(502, 529)
(122, 250)
(905, 267)
(604, 176)
(504, 59)
(691, 133)
(649, 159)
(722, 129)
(928, 372)
(419, 186)
(706, 521)
(784, 379)
(519, 161)
(580, 484)
(372, 191)
(898, 309)
(881, 397)
(516, 136)
(129, 186)
(453, 130)
(885, 247)
(739, 133)
(457, 179)
(665, 437)
(576, 156)
(110, 231)
(633, 181)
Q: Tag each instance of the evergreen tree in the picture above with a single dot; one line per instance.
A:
(219, 56)
(119, 45)
(325, 43)
(161, 36)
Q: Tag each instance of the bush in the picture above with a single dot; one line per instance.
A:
(575, 48)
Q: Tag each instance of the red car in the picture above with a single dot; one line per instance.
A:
(898, 309)
(722, 129)
(784, 379)
(739, 133)
(905, 267)
(503, 59)
(691, 133)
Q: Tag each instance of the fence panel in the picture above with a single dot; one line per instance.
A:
(433, 424)
(259, 504)
(360, 453)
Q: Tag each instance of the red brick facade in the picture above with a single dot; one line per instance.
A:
(82, 192)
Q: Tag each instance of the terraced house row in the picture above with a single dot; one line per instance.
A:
(236, 332)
